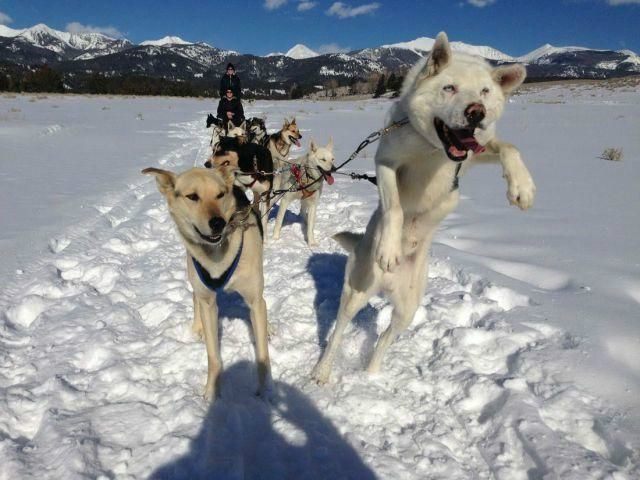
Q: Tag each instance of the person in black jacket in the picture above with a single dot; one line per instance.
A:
(230, 81)
(230, 108)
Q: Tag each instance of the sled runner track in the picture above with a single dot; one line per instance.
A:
(101, 376)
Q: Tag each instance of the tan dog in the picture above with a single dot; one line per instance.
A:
(223, 238)
(452, 102)
(279, 144)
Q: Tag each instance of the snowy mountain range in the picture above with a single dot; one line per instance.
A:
(175, 59)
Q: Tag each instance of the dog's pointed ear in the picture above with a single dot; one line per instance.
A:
(439, 57)
(312, 146)
(165, 179)
(330, 144)
(509, 77)
(228, 174)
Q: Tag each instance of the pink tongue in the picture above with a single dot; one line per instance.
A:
(471, 144)
(329, 179)
(455, 152)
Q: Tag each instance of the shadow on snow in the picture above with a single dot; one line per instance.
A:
(245, 437)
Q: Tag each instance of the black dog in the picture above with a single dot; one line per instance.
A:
(252, 160)
(211, 120)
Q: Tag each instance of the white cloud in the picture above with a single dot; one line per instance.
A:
(306, 5)
(623, 2)
(481, 3)
(77, 27)
(332, 48)
(4, 18)
(342, 10)
(273, 4)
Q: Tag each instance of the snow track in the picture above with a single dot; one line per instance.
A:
(101, 376)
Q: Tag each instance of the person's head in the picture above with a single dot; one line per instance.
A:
(231, 70)
(229, 93)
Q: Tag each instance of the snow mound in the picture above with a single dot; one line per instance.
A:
(300, 52)
(422, 44)
(168, 40)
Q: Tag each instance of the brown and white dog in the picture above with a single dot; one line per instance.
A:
(279, 144)
(452, 102)
(223, 239)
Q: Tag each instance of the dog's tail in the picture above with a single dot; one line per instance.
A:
(348, 240)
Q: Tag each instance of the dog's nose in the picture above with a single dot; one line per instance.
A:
(217, 224)
(475, 113)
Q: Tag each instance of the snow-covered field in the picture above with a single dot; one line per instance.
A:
(523, 361)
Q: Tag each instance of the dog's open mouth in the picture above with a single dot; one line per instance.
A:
(213, 239)
(327, 176)
(457, 142)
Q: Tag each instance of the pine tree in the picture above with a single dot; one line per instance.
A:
(380, 88)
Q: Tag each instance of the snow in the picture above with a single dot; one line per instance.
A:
(168, 40)
(522, 361)
(9, 32)
(422, 44)
(300, 52)
(544, 51)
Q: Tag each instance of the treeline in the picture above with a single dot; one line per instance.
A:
(377, 84)
(46, 79)
(43, 79)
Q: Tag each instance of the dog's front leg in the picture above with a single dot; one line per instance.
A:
(209, 316)
(389, 241)
(311, 220)
(258, 313)
(196, 327)
(282, 209)
(521, 189)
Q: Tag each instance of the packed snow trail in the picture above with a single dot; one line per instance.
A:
(102, 377)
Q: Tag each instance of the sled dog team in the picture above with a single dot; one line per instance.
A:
(452, 102)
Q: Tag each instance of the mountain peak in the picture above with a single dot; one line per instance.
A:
(168, 40)
(300, 51)
(422, 44)
(9, 32)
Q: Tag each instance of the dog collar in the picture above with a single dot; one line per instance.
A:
(215, 284)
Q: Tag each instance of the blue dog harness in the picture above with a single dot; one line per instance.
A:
(215, 284)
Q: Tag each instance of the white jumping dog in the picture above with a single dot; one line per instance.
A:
(452, 102)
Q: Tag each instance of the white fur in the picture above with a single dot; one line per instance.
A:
(415, 179)
(316, 157)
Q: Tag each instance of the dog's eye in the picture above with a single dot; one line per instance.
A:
(485, 91)
(449, 88)
(220, 195)
(193, 197)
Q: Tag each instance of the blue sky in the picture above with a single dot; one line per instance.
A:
(262, 26)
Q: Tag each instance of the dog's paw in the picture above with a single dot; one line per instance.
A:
(321, 374)
(521, 190)
(388, 254)
(271, 330)
(209, 393)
